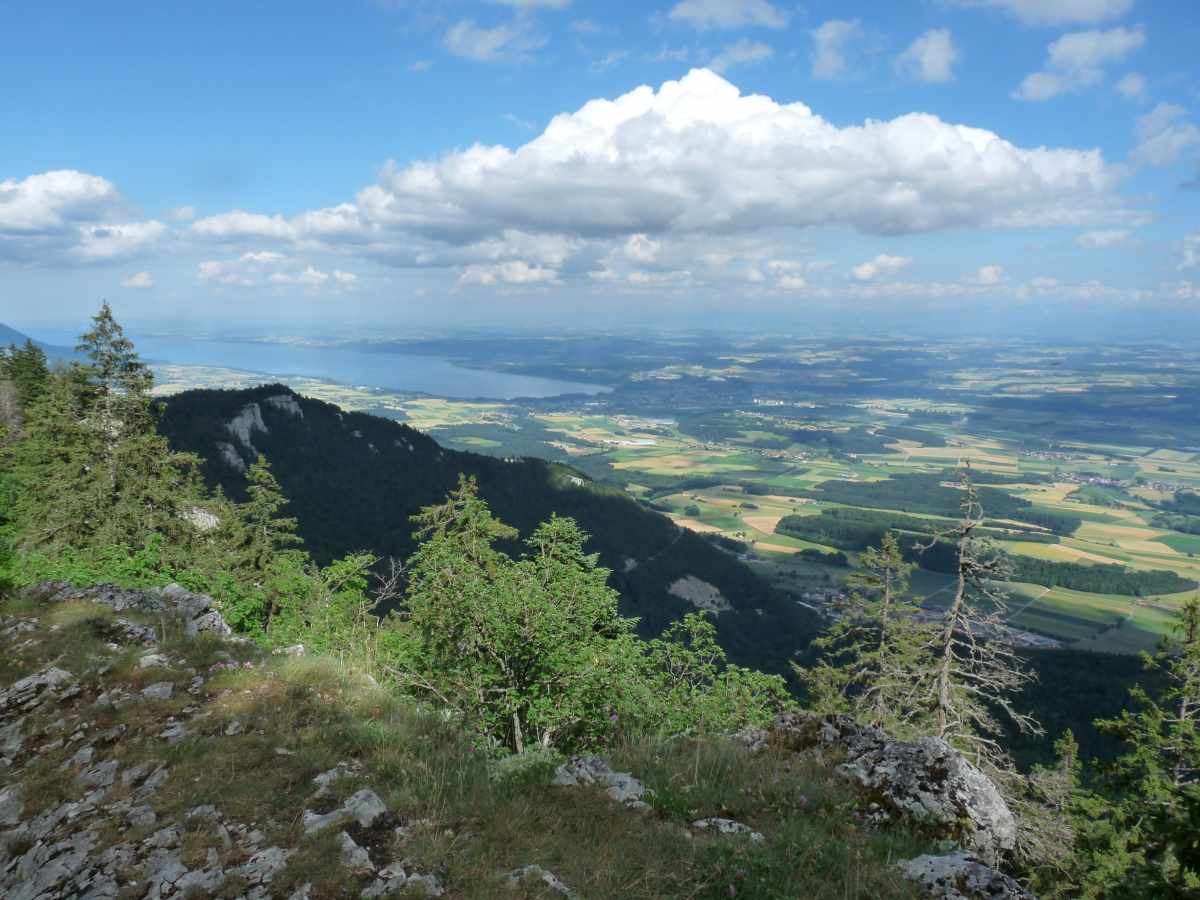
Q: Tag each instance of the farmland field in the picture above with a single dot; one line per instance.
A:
(1080, 467)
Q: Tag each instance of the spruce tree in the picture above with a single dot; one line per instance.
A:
(264, 533)
(875, 645)
(1145, 843)
(25, 368)
(94, 475)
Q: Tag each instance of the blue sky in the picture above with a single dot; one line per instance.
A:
(398, 163)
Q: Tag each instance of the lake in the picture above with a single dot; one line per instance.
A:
(392, 371)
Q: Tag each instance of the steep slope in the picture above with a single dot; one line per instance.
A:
(133, 766)
(355, 480)
(146, 754)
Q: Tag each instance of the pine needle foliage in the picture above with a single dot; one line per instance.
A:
(874, 646)
(1140, 836)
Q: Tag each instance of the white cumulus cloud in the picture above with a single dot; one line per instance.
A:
(1132, 86)
(107, 241)
(1057, 12)
(830, 42)
(138, 280)
(693, 160)
(1101, 239)
(1162, 138)
(989, 276)
(515, 271)
(513, 41)
(53, 200)
(710, 14)
(1189, 257)
(880, 265)
(307, 277)
(1077, 60)
(742, 52)
(931, 57)
(69, 217)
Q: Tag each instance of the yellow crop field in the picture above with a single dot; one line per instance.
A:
(765, 524)
(1056, 552)
(695, 525)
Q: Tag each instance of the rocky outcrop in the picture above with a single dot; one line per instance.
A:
(702, 595)
(177, 607)
(582, 771)
(926, 782)
(85, 767)
(960, 876)
(245, 424)
(536, 873)
(285, 403)
(728, 827)
(229, 455)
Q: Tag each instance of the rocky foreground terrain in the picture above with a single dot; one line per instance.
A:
(147, 753)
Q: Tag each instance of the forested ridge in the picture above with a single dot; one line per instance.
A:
(354, 480)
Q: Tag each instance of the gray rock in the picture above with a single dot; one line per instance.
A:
(162, 870)
(193, 614)
(263, 866)
(112, 735)
(160, 690)
(141, 817)
(325, 779)
(926, 781)
(202, 813)
(153, 661)
(579, 771)
(164, 838)
(12, 738)
(729, 827)
(34, 690)
(960, 876)
(82, 757)
(102, 775)
(354, 856)
(173, 734)
(12, 801)
(233, 729)
(47, 870)
(514, 878)
(200, 883)
(285, 403)
(390, 880)
(365, 807)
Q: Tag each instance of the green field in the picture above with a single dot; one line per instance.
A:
(734, 468)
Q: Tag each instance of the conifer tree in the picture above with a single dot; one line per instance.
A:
(94, 474)
(974, 669)
(25, 368)
(1146, 842)
(264, 532)
(874, 647)
(121, 384)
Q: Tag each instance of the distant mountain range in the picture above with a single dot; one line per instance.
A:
(10, 336)
(354, 481)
